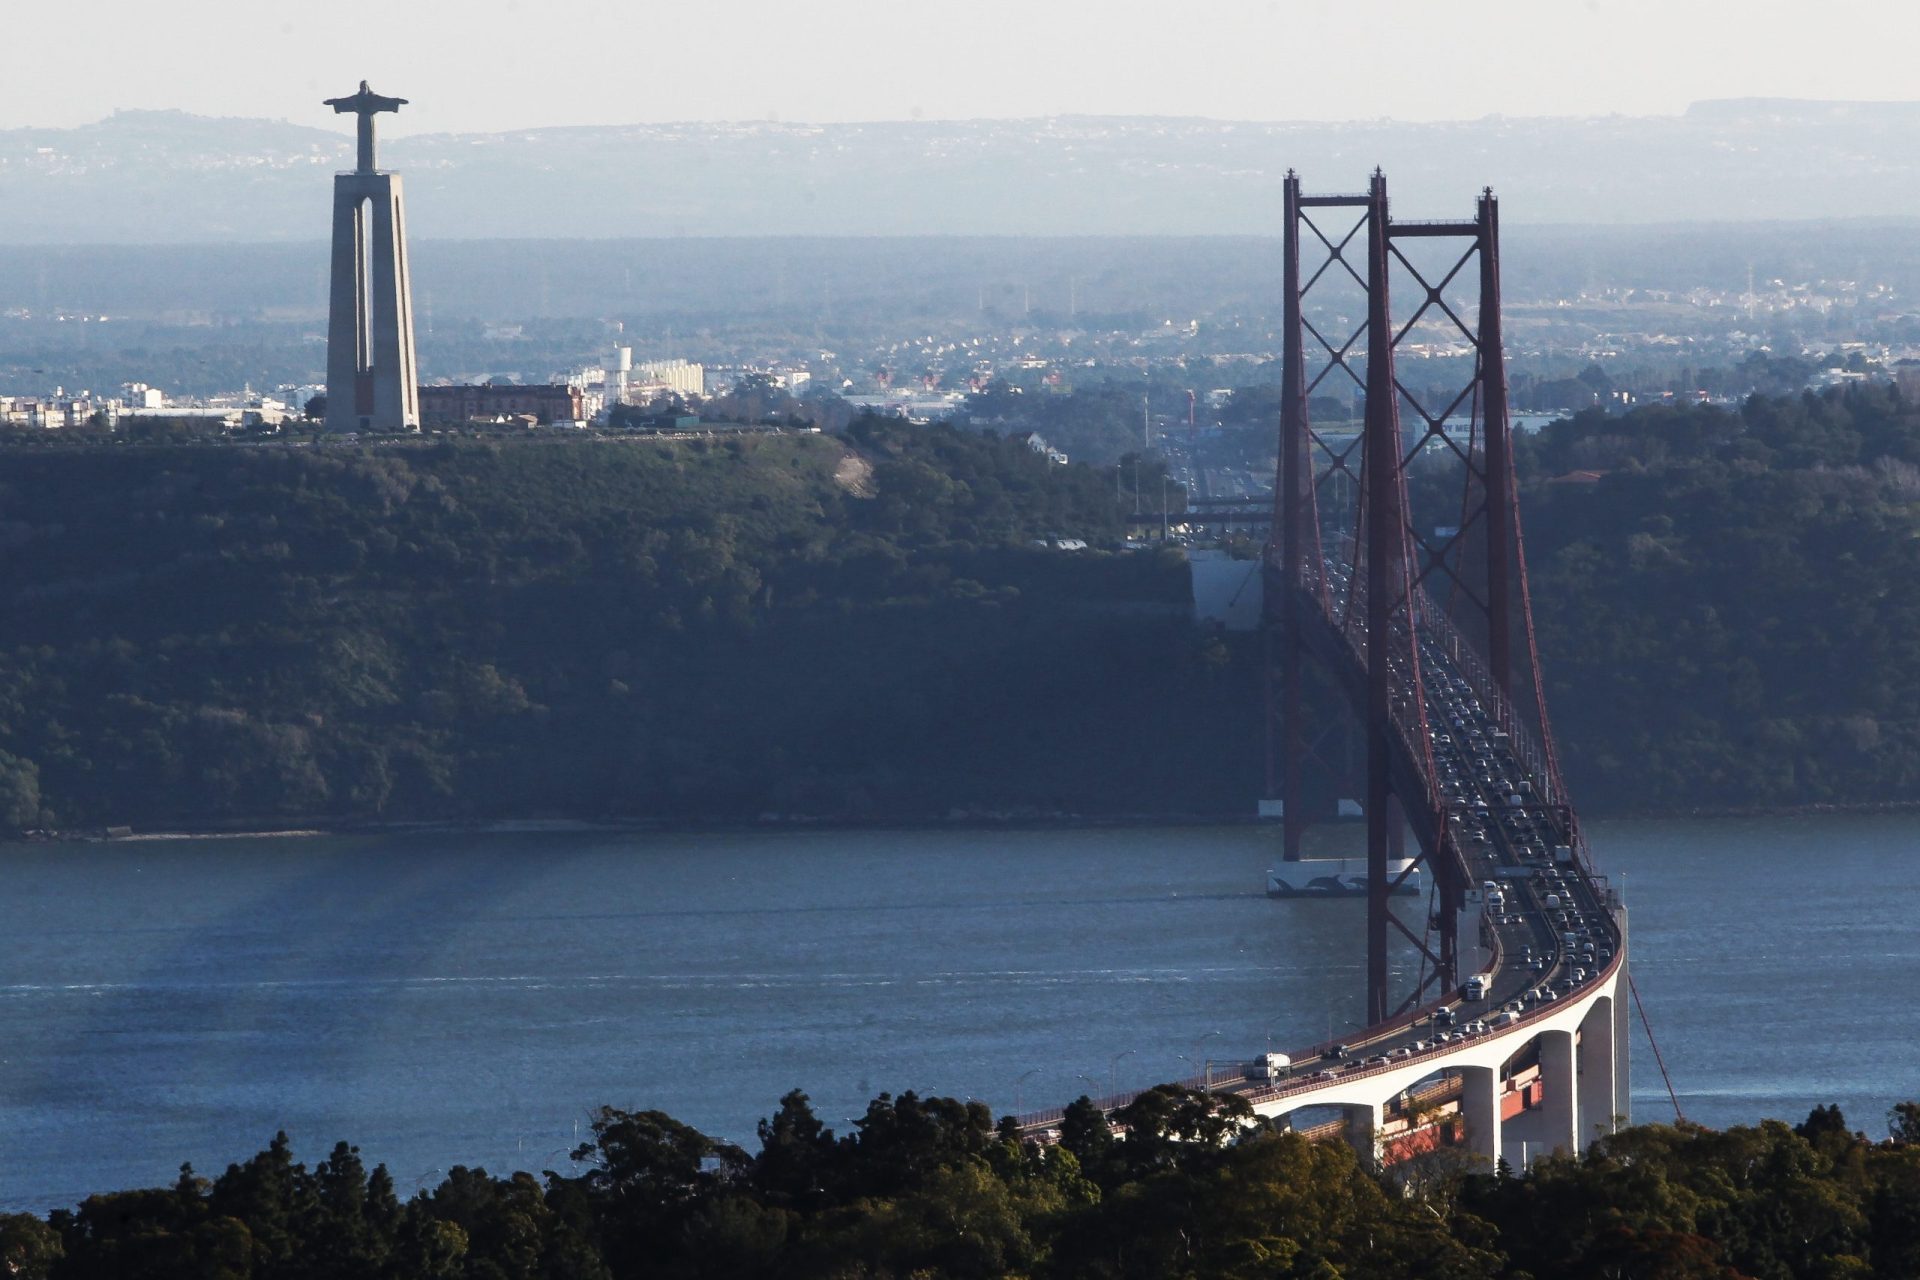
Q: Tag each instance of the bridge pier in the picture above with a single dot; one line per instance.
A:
(1480, 1111)
(1622, 1028)
(1559, 1110)
(1596, 1061)
(1363, 1131)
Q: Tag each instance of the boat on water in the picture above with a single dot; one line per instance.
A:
(1338, 878)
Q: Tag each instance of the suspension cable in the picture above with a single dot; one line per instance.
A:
(1554, 778)
(1659, 1061)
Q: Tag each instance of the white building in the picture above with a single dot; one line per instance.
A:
(619, 372)
(682, 377)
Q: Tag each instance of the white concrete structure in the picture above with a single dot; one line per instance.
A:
(1581, 1044)
(619, 370)
(372, 381)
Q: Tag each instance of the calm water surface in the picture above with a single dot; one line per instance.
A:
(444, 1000)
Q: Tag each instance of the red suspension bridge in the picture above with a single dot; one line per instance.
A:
(1396, 575)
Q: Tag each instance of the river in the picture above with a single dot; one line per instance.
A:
(443, 999)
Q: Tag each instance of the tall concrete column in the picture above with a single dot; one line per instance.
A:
(1480, 1111)
(1622, 1029)
(1363, 1132)
(1558, 1108)
(1595, 1065)
(372, 381)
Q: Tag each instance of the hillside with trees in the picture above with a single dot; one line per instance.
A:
(1191, 1185)
(860, 627)
(1729, 600)
(843, 627)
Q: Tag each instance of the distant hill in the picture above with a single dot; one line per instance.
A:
(853, 626)
(168, 177)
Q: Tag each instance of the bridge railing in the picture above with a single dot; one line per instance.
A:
(1051, 1116)
(1334, 585)
(1524, 1021)
(1300, 1084)
(1440, 626)
(1542, 765)
(1407, 703)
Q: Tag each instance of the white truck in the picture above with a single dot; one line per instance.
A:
(1277, 1066)
(1475, 988)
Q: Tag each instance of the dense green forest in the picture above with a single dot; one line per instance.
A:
(1729, 600)
(1191, 1186)
(851, 626)
(858, 626)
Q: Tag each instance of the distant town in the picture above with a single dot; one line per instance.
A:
(1587, 349)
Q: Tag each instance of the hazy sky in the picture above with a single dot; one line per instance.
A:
(504, 64)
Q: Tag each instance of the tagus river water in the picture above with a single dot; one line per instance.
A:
(469, 999)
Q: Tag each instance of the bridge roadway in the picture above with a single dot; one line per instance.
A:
(1540, 1062)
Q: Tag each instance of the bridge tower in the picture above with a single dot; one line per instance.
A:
(372, 384)
(1358, 576)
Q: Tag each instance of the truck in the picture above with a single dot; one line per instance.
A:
(1276, 1065)
(1476, 987)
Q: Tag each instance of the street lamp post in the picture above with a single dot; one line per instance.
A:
(1016, 1089)
(1113, 1072)
(1207, 1071)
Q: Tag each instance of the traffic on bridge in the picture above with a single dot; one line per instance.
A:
(1513, 1041)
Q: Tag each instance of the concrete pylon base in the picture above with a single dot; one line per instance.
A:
(372, 381)
(1579, 1044)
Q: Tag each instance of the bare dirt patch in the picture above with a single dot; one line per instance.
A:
(855, 475)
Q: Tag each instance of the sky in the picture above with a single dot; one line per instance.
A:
(497, 65)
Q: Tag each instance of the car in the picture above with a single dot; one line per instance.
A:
(1338, 1051)
(1378, 1060)
(1421, 1046)
(1326, 1075)
(1401, 1052)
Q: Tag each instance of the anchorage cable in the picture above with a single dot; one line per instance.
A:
(1658, 1060)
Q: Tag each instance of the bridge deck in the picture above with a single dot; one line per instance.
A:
(1556, 943)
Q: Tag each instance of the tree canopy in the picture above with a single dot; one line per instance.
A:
(1188, 1185)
